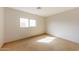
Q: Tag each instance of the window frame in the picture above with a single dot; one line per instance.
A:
(29, 22)
(25, 22)
(32, 24)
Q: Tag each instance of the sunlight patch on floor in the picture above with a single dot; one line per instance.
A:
(46, 40)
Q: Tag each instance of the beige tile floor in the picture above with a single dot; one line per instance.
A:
(41, 43)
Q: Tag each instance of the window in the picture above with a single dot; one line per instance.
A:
(24, 22)
(32, 23)
(27, 23)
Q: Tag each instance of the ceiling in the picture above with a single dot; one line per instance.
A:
(44, 11)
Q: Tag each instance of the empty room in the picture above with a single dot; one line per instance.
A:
(39, 29)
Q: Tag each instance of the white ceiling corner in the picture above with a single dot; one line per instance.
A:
(44, 11)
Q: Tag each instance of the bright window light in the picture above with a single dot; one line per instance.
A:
(46, 40)
(24, 22)
(32, 23)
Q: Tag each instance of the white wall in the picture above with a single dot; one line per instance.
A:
(65, 25)
(1, 26)
(12, 25)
